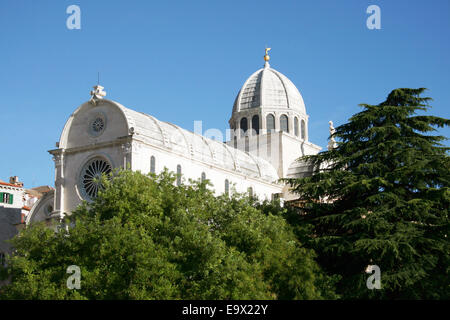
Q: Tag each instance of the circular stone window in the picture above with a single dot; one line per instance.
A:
(97, 125)
(90, 177)
(48, 209)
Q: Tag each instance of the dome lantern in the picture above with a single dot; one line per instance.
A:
(267, 58)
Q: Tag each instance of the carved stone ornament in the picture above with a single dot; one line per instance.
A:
(97, 94)
(332, 143)
(58, 158)
(126, 148)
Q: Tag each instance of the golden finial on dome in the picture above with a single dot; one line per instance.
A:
(267, 57)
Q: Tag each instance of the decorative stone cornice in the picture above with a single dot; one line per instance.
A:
(58, 158)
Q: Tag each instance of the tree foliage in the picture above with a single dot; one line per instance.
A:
(145, 238)
(381, 197)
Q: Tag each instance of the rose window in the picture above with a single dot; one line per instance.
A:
(90, 180)
(98, 125)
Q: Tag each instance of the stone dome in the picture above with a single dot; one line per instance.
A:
(269, 88)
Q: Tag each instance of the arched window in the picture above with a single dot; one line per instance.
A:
(284, 123)
(247, 144)
(244, 125)
(270, 122)
(203, 176)
(178, 175)
(235, 142)
(303, 128)
(152, 164)
(227, 186)
(255, 124)
(296, 126)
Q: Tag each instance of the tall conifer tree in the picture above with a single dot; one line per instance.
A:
(381, 197)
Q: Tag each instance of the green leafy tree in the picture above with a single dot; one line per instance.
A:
(145, 238)
(381, 197)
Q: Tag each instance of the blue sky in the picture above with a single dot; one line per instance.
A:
(182, 61)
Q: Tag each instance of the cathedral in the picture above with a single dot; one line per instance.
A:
(269, 132)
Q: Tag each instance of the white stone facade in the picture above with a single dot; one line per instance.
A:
(11, 196)
(103, 134)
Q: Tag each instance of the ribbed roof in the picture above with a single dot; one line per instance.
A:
(171, 137)
(269, 88)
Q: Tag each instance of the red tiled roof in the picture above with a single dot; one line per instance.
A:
(26, 208)
(10, 185)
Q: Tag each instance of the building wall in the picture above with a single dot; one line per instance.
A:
(68, 193)
(18, 194)
(43, 208)
(127, 142)
(193, 169)
(10, 215)
(77, 132)
(138, 156)
(9, 219)
(278, 148)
